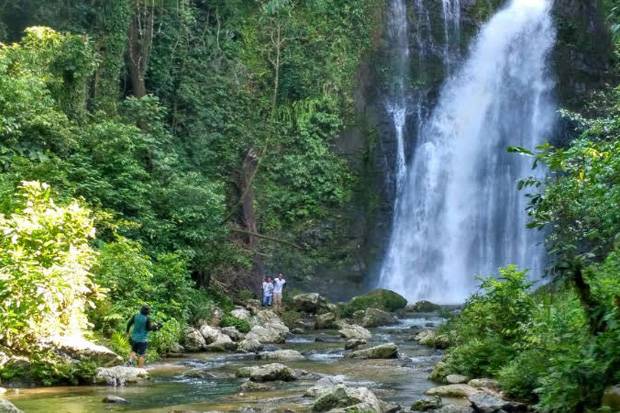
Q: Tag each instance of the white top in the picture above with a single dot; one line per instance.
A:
(267, 288)
(278, 284)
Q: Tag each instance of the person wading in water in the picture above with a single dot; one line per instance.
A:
(142, 324)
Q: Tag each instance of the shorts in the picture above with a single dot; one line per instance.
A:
(277, 298)
(138, 347)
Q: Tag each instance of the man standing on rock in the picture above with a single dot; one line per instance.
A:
(267, 292)
(142, 324)
(278, 286)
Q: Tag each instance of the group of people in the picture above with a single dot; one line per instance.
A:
(272, 291)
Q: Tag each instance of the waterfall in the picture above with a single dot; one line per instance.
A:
(459, 213)
(396, 105)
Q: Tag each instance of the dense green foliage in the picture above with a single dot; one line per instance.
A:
(200, 146)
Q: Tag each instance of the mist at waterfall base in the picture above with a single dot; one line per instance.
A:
(458, 213)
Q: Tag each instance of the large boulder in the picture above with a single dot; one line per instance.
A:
(383, 351)
(484, 383)
(221, 344)
(430, 338)
(350, 331)
(325, 321)
(423, 306)
(210, 334)
(120, 375)
(267, 335)
(456, 379)
(382, 299)
(611, 397)
(485, 402)
(452, 390)
(311, 303)
(268, 372)
(358, 399)
(193, 340)
(8, 407)
(374, 317)
(426, 403)
(242, 314)
(250, 345)
(354, 343)
(323, 385)
(282, 355)
(233, 333)
(78, 348)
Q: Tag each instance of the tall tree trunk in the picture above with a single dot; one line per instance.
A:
(140, 39)
(248, 170)
(593, 310)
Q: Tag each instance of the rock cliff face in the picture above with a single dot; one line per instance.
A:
(580, 61)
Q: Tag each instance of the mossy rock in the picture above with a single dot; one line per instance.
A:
(382, 299)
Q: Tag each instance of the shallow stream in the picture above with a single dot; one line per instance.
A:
(400, 381)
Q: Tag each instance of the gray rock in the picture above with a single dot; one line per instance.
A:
(233, 333)
(250, 345)
(251, 386)
(486, 403)
(373, 317)
(198, 373)
(353, 399)
(452, 390)
(354, 343)
(268, 372)
(432, 339)
(383, 351)
(210, 334)
(193, 340)
(223, 343)
(8, 407)
(268, 328)
(611, 397)
(298, 330)
(110, 398)
(120, 375)
(78, 348)
(325, 321)
(323, 385)
(451, 408)
(423, 306)
(484, 383)
(456, 379)
(282, 355)
(426, 403)
(309, 303)
(242, 314)
(350, 331)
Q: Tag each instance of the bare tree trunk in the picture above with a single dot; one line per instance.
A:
(140, 42)
(248, 170)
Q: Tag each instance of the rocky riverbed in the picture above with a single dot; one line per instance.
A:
(211, 381)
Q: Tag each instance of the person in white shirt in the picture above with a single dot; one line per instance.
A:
(267, 291)
(278, 287)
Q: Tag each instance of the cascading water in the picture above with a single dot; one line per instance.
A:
(397, 102)
(459, 214)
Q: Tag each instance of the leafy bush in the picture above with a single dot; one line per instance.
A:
(489, 329)
(45, 261)
(232, 321)
(162, 341)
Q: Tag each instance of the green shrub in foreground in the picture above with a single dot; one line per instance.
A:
(232, 321)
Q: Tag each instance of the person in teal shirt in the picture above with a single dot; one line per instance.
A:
(141, 324)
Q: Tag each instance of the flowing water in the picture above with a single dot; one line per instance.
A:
(400, 381)
(459, 213)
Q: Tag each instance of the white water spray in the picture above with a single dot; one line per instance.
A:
(459, 214)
